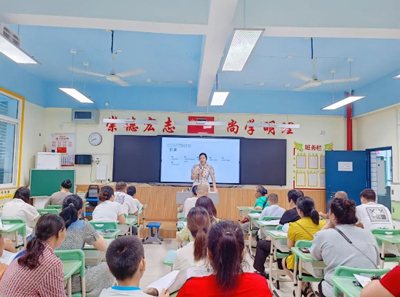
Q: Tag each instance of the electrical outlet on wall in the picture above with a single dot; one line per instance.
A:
(96, 158)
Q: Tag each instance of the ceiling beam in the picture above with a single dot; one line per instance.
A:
(219, 28)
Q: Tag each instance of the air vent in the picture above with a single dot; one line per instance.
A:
(10, 35)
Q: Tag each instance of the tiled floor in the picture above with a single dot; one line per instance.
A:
(155, 267)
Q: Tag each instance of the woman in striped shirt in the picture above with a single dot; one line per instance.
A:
(38, 272)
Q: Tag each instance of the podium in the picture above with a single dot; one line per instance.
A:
(182, 196)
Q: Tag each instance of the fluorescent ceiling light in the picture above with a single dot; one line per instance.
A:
(219, 97)
(74, 93)
(242, 45)
(200, 123)
(14, 52)
(396, 76)
(272, 125)
(343, 102)
(128, 121)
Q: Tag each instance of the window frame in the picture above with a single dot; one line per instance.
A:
(19, 125)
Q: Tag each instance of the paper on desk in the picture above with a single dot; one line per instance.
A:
(174, 280)
(269, 223)
(6, 227)
(363, 280)
(279, 233)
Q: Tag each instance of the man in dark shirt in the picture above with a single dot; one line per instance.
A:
(264, 246)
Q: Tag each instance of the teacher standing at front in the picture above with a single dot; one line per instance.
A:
(201, 173)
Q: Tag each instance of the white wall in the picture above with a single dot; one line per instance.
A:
(314, 130)
(32, 142)
(380, 129)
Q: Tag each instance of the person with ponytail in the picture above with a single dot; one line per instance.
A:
(37, 272)
(79, 233)
(19, 208)
(344, 244)
(225, 246)
(108, 210)
(303, 229)
(194, 253)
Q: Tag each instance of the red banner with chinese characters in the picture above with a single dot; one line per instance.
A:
(204, 129)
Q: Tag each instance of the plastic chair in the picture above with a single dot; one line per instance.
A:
(75, 255)
(349, 272)
(21, 231)
(54, 206)
(49, 210)
(270, 218)
(104, 225)
(169, 258)
(306, 244)
(279, 228)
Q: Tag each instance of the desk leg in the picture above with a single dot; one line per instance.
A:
(83, 286)
(16, 238)
(295, 271)
(250, 236)
(271, 262)
(69, 287)
(382, 256)
(300, 281)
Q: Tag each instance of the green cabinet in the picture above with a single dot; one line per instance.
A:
(396, 210)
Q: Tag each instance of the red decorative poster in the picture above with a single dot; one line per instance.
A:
(270, 130)
(233, 127)
(168, 127)
(204, 129)
(250, 130)
(131, 127)
(112, 126)
(149, 127)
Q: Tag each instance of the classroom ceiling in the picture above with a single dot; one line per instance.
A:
(174, 60)
(180, 43)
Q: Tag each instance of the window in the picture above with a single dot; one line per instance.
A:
(10, 132)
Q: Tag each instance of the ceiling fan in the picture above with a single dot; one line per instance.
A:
(113, 76)
(314, 81)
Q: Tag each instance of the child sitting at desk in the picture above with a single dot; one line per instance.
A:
(79, 233)
(194, 253)
(125, 257)
(303, 229)
(108, 210)
(131, 191)
(226, 250)
(38, 272)
(362, 252)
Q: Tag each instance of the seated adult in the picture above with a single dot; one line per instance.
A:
(194, 253)
(273, 210)
(262, 201)
(338, 194)
(57, 198)
(38, 272)
(371, 214)
(185, 234)
(131, 191)
(388, 286)
(128, 204)
(108, 210)
(303, 229)
(226, 252)
(264, 246)
(358, 247)
(197, 191)
(79, 233)
(19, 208)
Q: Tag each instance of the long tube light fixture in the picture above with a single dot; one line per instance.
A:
(200, 123)
(241, 46)
(14, 52)
(129, 121)
(272, 125)
(396, 76)
(74, 93)
(343, 102)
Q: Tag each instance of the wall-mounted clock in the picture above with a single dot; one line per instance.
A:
(95, 139)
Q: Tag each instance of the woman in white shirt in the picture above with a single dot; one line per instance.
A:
(19, 208)
(108, 210)
(194, 254)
